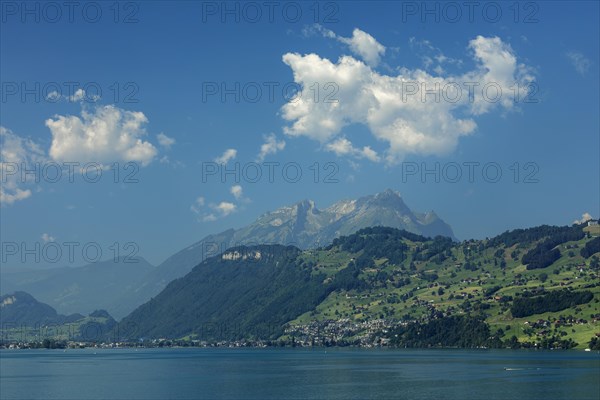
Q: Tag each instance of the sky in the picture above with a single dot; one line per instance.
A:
(137, 128)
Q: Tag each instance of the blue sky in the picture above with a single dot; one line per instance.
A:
(170, 87)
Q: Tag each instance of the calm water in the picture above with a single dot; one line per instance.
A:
(287, 373)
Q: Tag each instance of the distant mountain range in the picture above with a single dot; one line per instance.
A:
(103, 285)
(123, 287)
(22, 317)
(302, 225)
(533, 288)
(21, 309)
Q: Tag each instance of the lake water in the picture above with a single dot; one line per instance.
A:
(298, 373)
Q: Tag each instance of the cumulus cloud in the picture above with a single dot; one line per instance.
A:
(17, 154)
(104, 135)
(361, 43)
(584, 218)
(497, 67)
(270, 146)
(580, 62)
(369, 153)
(165, 141)
(414, 112)
(215, 210)
(79, 95)
(225, 208)
(53, 96)
(365, 46)
(227, 156)
(343, 147)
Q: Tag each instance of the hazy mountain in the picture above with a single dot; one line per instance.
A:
(22, 309)
(81, 289)
(121, 287)
(23, 318)
(305, 226)
(302, 225)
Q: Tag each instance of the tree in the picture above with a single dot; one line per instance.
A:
(594, 263)
(591, 247)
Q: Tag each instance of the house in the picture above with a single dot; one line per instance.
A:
(592, 222)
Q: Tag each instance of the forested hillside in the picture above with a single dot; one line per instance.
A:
(535, 287)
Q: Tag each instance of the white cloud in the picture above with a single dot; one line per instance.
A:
(107, 134)
(236, 191)
(365, 46)
(220, 210)
(227, 156)
(16, 155)
(78, 95)
(17, 194)
(197, 206)
(165, 141)
(584, 218)
(47, 238)
(580, 62)
(209, 218)
(343, 147)
(497, 66)
(409, 122)
(53, 96)
(270, 146)
(361, 43)
(225, 208)
(369, 153)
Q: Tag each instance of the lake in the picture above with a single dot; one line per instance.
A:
(298, 373)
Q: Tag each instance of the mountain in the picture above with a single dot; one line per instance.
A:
(302, 225)
(253, 288)
(380, 280)
(23, 318)
(121, 287)
(305, 226)
(22, 309)
(81, 289)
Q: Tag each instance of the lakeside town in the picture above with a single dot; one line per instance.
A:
(342, 332)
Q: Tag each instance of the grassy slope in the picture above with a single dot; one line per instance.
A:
(69, 331)
(416, 299)
(570, 271)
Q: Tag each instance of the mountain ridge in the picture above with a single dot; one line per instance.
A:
(301, 224)
(377, 280)
(24, 315)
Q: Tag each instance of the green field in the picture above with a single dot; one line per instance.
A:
(464, 291)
